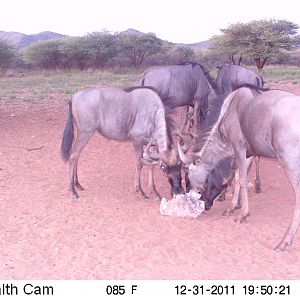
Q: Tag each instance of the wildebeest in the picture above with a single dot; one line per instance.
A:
(180, 85)
(134, 114)
(228, 79)
(254, 124)
(224, 172)
(230, 76)
(221, 177)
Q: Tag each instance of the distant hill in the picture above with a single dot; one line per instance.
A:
(21, 40)
(199, 45)
(132, 31)
(194, 46)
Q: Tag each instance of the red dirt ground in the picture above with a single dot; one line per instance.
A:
(109, 233)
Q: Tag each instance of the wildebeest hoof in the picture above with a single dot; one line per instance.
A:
(228, 212)
(221, 198)
(281, 246)
(156, 195)
(144, 197)
(141, 193)
(79, 187)
(240, 219)
(257, 189)
(75, 197)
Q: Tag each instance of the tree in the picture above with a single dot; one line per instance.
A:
(92, 50)
(260, 40)
(231, 43)
(172, 54)
(102, 46)
(182, 54)
(45, 54)
(138, 47)
(7, 55)
(268, 39)
(75, 53)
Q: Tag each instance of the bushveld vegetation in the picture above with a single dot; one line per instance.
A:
(55, 69)
(254, 43)
(259, 41)
(94, 51)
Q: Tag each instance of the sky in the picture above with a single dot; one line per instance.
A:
(184, 21)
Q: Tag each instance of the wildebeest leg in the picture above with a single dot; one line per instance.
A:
(235, 202)
(200, 111)
(257, 178)
(196, 117)
(79, 143)
(152, 186)
(292, 229)
(190, 120)
(293, 176)
(235, 198)
(138, 148)
(243, 172)
(184, 117)
(76, 182)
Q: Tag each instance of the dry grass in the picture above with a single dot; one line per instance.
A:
(44, 86)
(47, 86)
(281, 73)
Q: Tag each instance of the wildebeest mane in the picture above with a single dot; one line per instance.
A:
(220, 107)
(192, 63)
(214, 109)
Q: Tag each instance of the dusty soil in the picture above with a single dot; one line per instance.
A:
(109, 233)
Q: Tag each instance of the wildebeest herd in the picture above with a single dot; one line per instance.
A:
(234, 119)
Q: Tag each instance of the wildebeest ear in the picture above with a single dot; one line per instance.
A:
(198, 161)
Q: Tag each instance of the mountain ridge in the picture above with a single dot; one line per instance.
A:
(21, 40)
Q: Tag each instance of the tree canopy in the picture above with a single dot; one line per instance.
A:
(260, 40)
(138, 47)
(93, 50)
(7, 55)
(256, 41)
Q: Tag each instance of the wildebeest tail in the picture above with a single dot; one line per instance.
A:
(68, 136)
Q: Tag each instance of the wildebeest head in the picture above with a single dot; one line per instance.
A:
(207, 181)
(218, 180)
(209, 184)
(173, 174)
(170, 163)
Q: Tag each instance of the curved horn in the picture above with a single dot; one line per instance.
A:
(185, 158)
